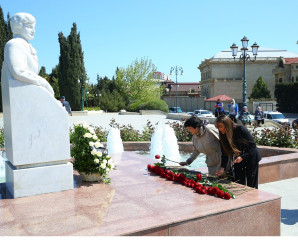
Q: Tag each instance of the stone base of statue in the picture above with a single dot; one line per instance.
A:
(36, 180)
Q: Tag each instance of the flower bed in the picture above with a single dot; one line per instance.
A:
(201, 183)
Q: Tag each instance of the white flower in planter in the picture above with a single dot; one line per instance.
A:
(96, 161)
(91, 130)
(94, 137)
(93, 152)
(103, 165)
(87, 135)
(99, 154)
(91, 143)
(98, 144)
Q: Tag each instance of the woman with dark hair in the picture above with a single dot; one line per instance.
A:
(238, 150)
(205, 140)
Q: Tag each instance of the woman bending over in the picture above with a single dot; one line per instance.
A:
(238, 151)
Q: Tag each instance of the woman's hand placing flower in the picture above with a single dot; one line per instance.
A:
(220, 172)
(238, 159)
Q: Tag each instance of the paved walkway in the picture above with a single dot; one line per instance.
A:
(289, 204)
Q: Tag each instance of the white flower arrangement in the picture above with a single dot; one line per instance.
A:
(87, 152)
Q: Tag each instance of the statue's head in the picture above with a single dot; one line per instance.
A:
(23, 24)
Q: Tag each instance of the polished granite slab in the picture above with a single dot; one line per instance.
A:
(139, 203)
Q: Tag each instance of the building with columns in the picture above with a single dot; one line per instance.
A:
(221, 75)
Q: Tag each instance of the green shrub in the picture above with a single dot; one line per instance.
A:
(281, 137)
(154, 105)
(133, 106)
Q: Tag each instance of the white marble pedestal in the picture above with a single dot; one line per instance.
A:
(30, 181)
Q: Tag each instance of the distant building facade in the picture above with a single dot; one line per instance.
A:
(286, 70)
(222, 75)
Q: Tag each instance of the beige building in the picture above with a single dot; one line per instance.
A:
(221, 75)
(286, 70)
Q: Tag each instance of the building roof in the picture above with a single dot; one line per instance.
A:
(291, 60)
(184, 86)
(222, 98)
(262, 53)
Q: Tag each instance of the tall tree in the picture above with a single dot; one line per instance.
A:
(260, 90)
(71, 67)
(137, 81)
(3, 39)
(8, 28)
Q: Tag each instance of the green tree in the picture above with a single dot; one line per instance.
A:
(53, 80)
(3, 40)
(111, 98)
(8, 28)
(260, 90)
(71, 67)
(286, 96)
(137, 82)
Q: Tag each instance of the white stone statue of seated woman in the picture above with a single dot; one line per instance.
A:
(20, 57)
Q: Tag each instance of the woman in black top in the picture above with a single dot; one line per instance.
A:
(238, 148)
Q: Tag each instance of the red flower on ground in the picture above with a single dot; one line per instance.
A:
(227, 196)
(215, 190)
(199, 176)
(157, 156)
(220, 194)
(210, 190)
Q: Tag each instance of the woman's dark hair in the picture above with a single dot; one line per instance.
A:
(226, 140)
(194, 122)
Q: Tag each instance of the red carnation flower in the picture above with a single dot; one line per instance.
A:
(199, 176)
(215, 190)
(157, 156)
(210, 190)
(198, 184)
(220, 194)
(203, 191)
(227, 196)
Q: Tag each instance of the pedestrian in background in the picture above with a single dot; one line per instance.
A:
(219, 108)
(233, 110)
(66, 105)
(244, 116)
(259, 117)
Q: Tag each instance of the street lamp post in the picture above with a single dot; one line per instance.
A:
(244, 57)
(87, 93)
(81, 81)
(177, 69)
(99, 95)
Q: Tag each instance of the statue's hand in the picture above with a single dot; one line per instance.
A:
(44, 83)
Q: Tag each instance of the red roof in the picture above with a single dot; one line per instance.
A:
(222, 98)
(291, 60)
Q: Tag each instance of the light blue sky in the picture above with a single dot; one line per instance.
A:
(170, 32)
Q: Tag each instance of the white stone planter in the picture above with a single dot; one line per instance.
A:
(91, 177)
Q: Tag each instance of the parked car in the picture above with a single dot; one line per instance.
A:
(204, 113)
(276, 117)
(295, 124)
(190, 113)
(175, 110)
